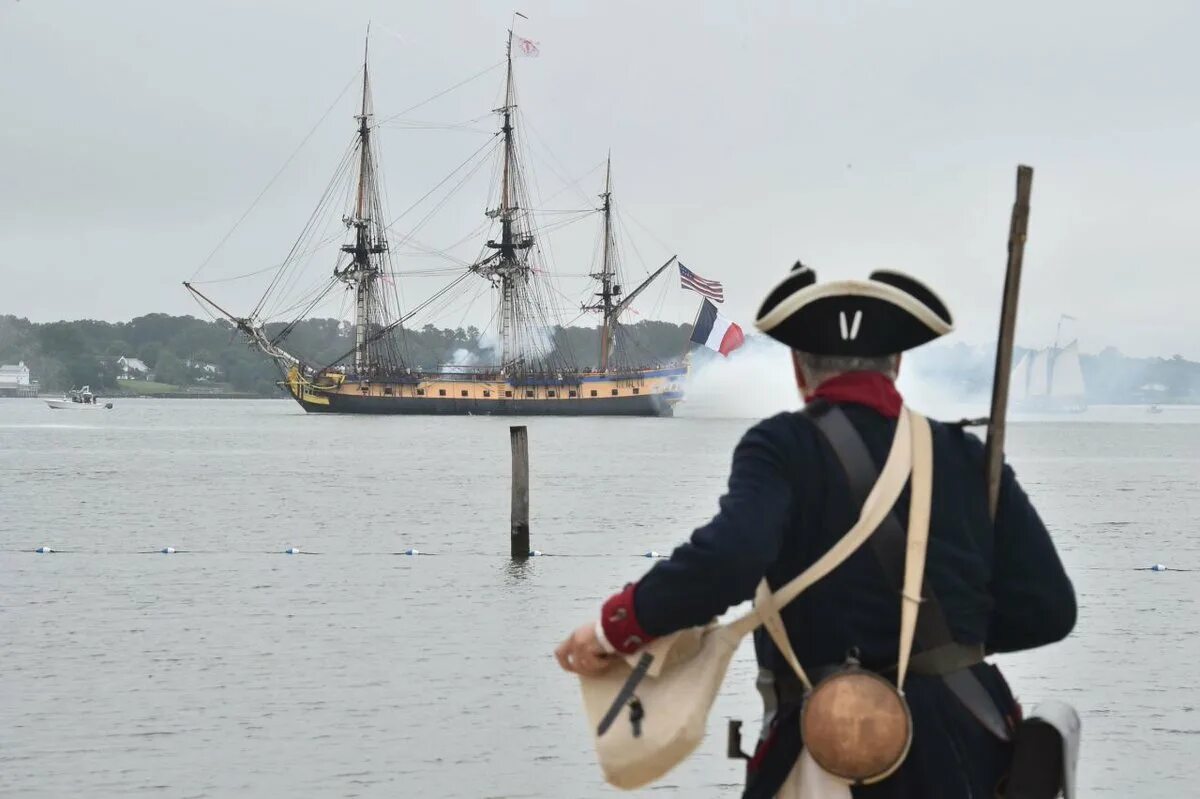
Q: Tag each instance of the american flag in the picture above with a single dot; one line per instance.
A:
(707, 288)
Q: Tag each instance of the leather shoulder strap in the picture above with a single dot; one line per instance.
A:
(879, 501)
(888, 542)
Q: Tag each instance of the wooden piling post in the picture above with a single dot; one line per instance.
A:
(519, 438)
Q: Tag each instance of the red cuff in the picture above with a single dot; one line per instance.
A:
(620, 623)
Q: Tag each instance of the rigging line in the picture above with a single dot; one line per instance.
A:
(478, 231)
(310, 299)
(575, 184)
(275, 177)
(383, 331)
(471, 304)
(545, 247)
(296, 261)
(282, 314)
(270, 268)
(441, 203)
(439, 94)
(423, 250)
(445, 270)
(441, 183)
(625, 237)
(650, 232)
(446, 129)
(564, 211)
(309, 229)
(463, 123)
(558, 224)
(536, 137)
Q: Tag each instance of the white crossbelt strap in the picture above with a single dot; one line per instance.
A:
(911, 453)
(919, 504)
(878, 504)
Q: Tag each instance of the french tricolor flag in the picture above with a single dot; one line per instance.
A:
(715, 331)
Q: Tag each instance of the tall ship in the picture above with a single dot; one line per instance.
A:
(529, 371)
(1050, 380)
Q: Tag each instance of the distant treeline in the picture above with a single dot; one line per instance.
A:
(187, 352)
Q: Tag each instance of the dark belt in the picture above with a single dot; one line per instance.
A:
(951, 662)
(940, 662)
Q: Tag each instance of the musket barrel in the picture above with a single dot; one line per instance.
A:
(1018, 228)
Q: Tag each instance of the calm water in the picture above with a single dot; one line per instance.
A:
(231, 669)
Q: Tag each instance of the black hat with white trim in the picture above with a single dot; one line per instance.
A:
(883, 315)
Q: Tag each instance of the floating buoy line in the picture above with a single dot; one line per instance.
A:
(410, 552)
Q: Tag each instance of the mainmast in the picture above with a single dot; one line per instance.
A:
(362, 273)
(507, 267)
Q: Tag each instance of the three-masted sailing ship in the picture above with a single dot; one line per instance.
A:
(531, 375)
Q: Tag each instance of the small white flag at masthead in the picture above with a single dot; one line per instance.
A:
(525, 47)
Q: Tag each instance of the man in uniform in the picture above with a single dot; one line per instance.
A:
(795, 488)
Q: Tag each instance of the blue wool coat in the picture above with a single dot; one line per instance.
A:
(1000, 584)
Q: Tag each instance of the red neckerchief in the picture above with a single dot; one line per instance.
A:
(872, 389)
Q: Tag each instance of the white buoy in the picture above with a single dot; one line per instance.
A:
(43, 550)
(291, 551)
(1158, 567)
(168, 550)
(412, 552)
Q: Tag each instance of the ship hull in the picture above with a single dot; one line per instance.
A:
(644, 393)
(442, 406)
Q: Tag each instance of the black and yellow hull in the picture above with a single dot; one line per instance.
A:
(639, 393)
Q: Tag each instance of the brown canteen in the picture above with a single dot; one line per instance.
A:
(856, 726)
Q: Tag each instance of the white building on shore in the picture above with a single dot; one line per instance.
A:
(16, 381)
(131, 369)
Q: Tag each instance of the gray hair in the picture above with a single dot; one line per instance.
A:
(819, 368)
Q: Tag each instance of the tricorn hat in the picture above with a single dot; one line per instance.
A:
(882, 315)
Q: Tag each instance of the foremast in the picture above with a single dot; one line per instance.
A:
(369, 243)
(508, 267)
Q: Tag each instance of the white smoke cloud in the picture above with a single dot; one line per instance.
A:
(754, 382)
(757, 381)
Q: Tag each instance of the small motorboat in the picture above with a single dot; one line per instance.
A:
(1154, 409)
(82, 399)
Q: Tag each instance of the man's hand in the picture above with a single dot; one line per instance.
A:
(582, 652)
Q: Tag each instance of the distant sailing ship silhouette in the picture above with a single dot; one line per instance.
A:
(1050, 380)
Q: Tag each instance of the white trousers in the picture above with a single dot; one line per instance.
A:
(809, 781)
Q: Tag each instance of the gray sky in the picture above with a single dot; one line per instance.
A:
(744, 135)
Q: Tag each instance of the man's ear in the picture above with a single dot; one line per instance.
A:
(801, 383)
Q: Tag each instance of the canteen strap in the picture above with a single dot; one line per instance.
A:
(768, 611)
(878, 504)
(889, 541)
(939, 653)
